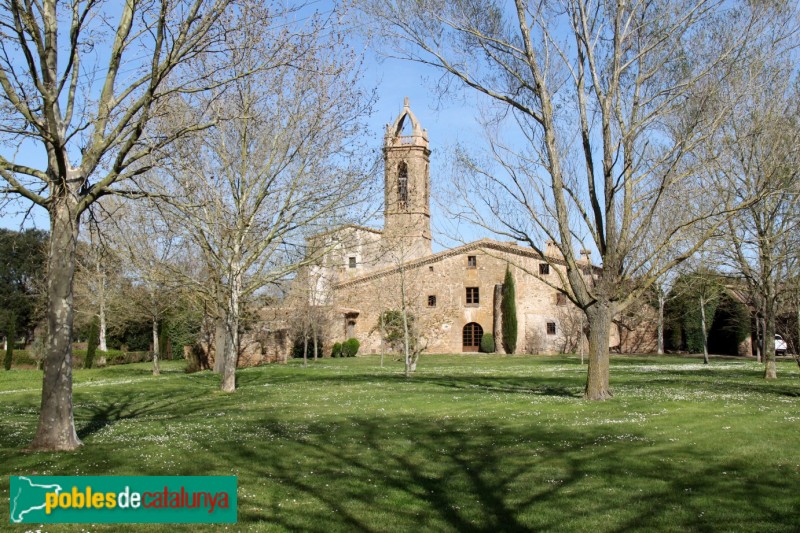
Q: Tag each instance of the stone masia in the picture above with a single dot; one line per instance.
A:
(453, 296)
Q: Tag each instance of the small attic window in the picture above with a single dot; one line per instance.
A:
(351, 261)
(544, 269)
(472, 261)
(430, 268)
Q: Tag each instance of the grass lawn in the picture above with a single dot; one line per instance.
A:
(470, 443)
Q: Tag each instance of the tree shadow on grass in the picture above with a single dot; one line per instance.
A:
(402, 473)
(720, 383)
(543, 387)
(570, 387)
(126, 406)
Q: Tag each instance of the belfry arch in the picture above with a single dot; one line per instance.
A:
(407, 225)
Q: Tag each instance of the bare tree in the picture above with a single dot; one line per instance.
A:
(707, 289)
(97, 283)
(759, 159)
(410, 320)
(311, 306)
(282, 162)
(150, 249)
(82, 81)
(608, 102)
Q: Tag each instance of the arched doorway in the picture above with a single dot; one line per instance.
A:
(472, 337)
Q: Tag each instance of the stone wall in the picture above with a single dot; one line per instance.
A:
(446, 276)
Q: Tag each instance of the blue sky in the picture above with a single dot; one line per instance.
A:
(448, 122)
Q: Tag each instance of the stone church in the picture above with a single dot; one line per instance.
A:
(453, 295)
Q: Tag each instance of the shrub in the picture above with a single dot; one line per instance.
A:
(297, 347)
(509, 305)
(487, 343)
(350, 347)
(38, 350)
(336, 351)
(390, 324)
(23, 358)
(196, 359)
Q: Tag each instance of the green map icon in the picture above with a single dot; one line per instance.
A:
(27, 498)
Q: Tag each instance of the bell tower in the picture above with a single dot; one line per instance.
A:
(407, 213)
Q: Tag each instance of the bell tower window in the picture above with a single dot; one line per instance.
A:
(402, 185)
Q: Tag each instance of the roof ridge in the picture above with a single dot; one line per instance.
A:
(435, 258)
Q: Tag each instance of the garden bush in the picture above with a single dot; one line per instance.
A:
(336, 351)
(487, 343)
(350, 347)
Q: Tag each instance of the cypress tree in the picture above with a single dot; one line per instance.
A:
(94, 340)
(11, 338)
(509, 313)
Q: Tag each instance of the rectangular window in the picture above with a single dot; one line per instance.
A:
(352, 262)
(472, 261)
(544, 269)
(561, 298)
(432, 300)
(551, 328)
(430, 268)
(473, 296)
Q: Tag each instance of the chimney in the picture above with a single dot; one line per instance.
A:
(551, 250)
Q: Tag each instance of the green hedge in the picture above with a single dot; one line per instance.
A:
(487, 343)
(336, 351)
(350, 347)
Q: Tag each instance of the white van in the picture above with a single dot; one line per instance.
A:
(780, 345)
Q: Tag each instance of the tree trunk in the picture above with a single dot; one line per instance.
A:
(770, 371)
(305, 346)
(660, 349)
(704, 330)
(406, 337)
(406, 340)
(314, 340)
(232, 332)
(599, 317)
(581, 335)
(231, 352)
(56, 430)
(497, 325)
(219, 344)
(383, 340)
(101, 345)
(156, 369)
(758, 339)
